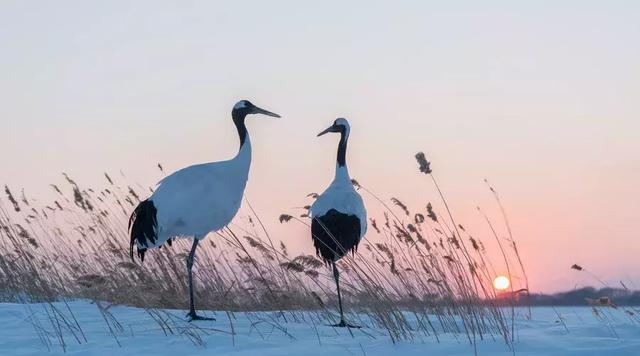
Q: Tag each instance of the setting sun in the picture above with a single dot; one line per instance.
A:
(501, 283)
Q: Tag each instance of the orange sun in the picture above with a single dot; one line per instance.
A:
(501, 283)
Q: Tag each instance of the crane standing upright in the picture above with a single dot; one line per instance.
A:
(196, 200)
(339, 218)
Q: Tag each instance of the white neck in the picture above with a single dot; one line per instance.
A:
(342, 174)
(243, 156)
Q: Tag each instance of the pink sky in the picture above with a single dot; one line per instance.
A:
(541, 100)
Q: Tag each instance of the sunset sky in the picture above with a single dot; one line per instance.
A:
(541, 98)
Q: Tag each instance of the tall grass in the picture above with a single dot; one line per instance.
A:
(416, 273)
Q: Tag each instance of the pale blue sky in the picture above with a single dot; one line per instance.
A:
(541, 97)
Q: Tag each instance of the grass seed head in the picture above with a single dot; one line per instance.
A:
(401, 205)
(577, 267)
(425, 166)
(430, 213)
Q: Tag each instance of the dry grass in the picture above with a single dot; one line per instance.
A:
(412, 263)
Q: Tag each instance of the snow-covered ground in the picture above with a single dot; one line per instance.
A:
(27, 329)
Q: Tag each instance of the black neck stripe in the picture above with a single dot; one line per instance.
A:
(238, 120)
(342, 148)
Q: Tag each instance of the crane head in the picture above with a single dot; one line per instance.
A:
(339, 125)
(245, 107)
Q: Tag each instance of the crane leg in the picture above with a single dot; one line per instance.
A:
(192, 310)
(336, 277)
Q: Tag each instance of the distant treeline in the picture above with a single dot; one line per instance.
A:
(617, 296)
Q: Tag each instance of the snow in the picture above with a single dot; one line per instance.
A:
(141, 335)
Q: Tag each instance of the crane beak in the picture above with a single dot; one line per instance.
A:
(329, 129)
(258, 110)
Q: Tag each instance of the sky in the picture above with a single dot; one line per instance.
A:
(540, 97)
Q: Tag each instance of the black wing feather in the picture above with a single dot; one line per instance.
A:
(143, 226)
(334, 234)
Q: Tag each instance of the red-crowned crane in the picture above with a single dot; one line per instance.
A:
(196, 200)
(339, 218)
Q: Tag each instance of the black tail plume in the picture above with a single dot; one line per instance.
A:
(143, 226)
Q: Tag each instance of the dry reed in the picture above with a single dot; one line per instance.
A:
(411, 276)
